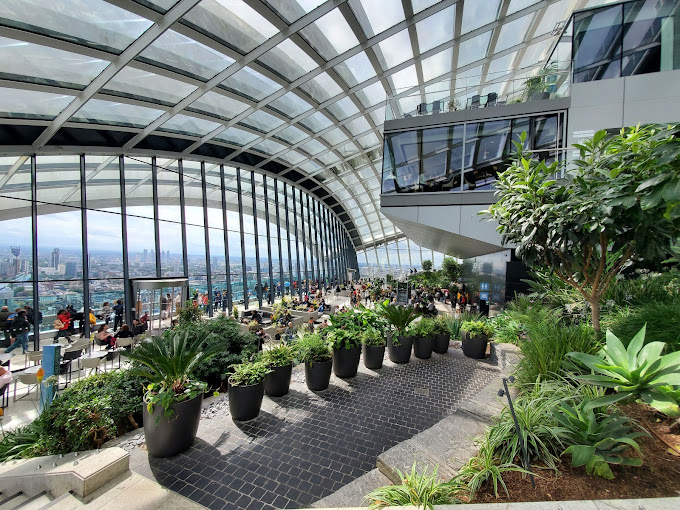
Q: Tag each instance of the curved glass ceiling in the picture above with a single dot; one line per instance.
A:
(302, 83)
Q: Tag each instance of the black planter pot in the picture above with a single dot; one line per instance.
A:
(373, 356)
(441, 343)
(422, 347)
(175, 434)
(245, 401)
(277, 382)
(346, 362)
(474, 347)
(318, 374)
(401, 352)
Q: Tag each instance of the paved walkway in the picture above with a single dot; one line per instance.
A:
(305, 446)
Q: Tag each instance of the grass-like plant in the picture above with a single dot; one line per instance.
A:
(597, 440)
(661, 319)
(454, 322)
(639, 371)
(16, 444)
(420, 490)
(249, 373)
(546, 348)
(167, 362)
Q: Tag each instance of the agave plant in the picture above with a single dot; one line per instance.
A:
(640, 371)
(167, 362)
(597, 440)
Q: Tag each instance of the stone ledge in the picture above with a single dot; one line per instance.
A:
(353, 493)
(81, 473)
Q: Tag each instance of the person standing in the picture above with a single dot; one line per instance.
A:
(106, 312)
(61, 324)
(164, 306)
(20, 328)
(4, 325)
(120, 310)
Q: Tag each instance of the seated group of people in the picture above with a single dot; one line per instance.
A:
(139, 327)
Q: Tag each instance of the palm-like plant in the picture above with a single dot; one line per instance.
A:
(640, 371)
(167, 362)
(398, 316)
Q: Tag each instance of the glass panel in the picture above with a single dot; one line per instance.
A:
(140, 84)
(343, 108)
(291, 135)
(16, 246)
(290, 105)
(368, 140)
(170, 229)
(54, 296)
(436, 30)
(288, 60)
(316, 122)
(313, 147)
(357, 126)
(268, 147)
(394, 50)
(437, 65)
(478, 14)
(175, 51)
(231, 22)
(321, 88)
(24, 61)
(473, 49)
(251, 84)
(291, 157)
(355, 69)
(96, 111)
(597, 44)
(236, 136)
(291, 10)
(218, 105)
(404, 79)
(330, 35)
(375, 17)
(93, 23)
(185, 124)
(513, 33)
(29, 104)
(262, 121)
(335, 137)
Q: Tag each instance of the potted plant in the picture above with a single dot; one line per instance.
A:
(475, 338)
(315, 352)
(246, 389)
(373, 348)
(346, 345)
(423, 340)
(172, 400)
(441, 336)
(399, 317)
(280, 361)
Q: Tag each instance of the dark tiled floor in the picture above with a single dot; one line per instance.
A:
(305, 446)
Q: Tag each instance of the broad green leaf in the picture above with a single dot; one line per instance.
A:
(616, 350)
(608, 400)
(635, 346)
(653, 181)
(580, 454)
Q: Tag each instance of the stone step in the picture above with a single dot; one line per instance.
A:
(36, 502)
(353, 493)
(11, 500)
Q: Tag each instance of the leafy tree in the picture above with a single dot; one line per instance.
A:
(617, 204)
(450, 270)
(427, 265)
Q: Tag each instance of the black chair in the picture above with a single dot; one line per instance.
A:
(66, 364)
(436, 107)
(422, 109)
(474, 102)
(491, 99)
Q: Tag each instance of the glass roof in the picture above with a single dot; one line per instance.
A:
(319, 83)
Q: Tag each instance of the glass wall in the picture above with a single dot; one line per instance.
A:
(397, 258)
(626, 39)
(465, 156)
(76, 229)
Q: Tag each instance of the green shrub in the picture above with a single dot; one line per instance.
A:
(441, 327)
(343, 339)
(249, 373)
(424, 328)
(279, 356)
(312, 348)
(547, 345)
(371, 336)
(420, 490)
(89, 412)
(477, 328)
(661, 318)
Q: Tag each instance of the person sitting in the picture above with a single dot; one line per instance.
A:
(324, 324)
(261, 338)
(138, 328)
(290, 332)
(310, 325)
(144, 319)
(105, 338)
(124, 332)
(92, 319)
(256, 317)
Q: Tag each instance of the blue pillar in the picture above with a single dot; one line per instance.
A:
(50, 364)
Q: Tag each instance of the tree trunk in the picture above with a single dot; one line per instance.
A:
(595, 314)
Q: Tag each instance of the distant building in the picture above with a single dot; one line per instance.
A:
(70, 270)
(55, 258)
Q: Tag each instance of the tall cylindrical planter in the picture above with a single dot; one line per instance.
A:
(346, 362)
(474, 347)
(166, 437)
(318, 374)
(441, 343)
(277, 382)
(422, 347)
(373, 356)
(401, 352)
(245, 401)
